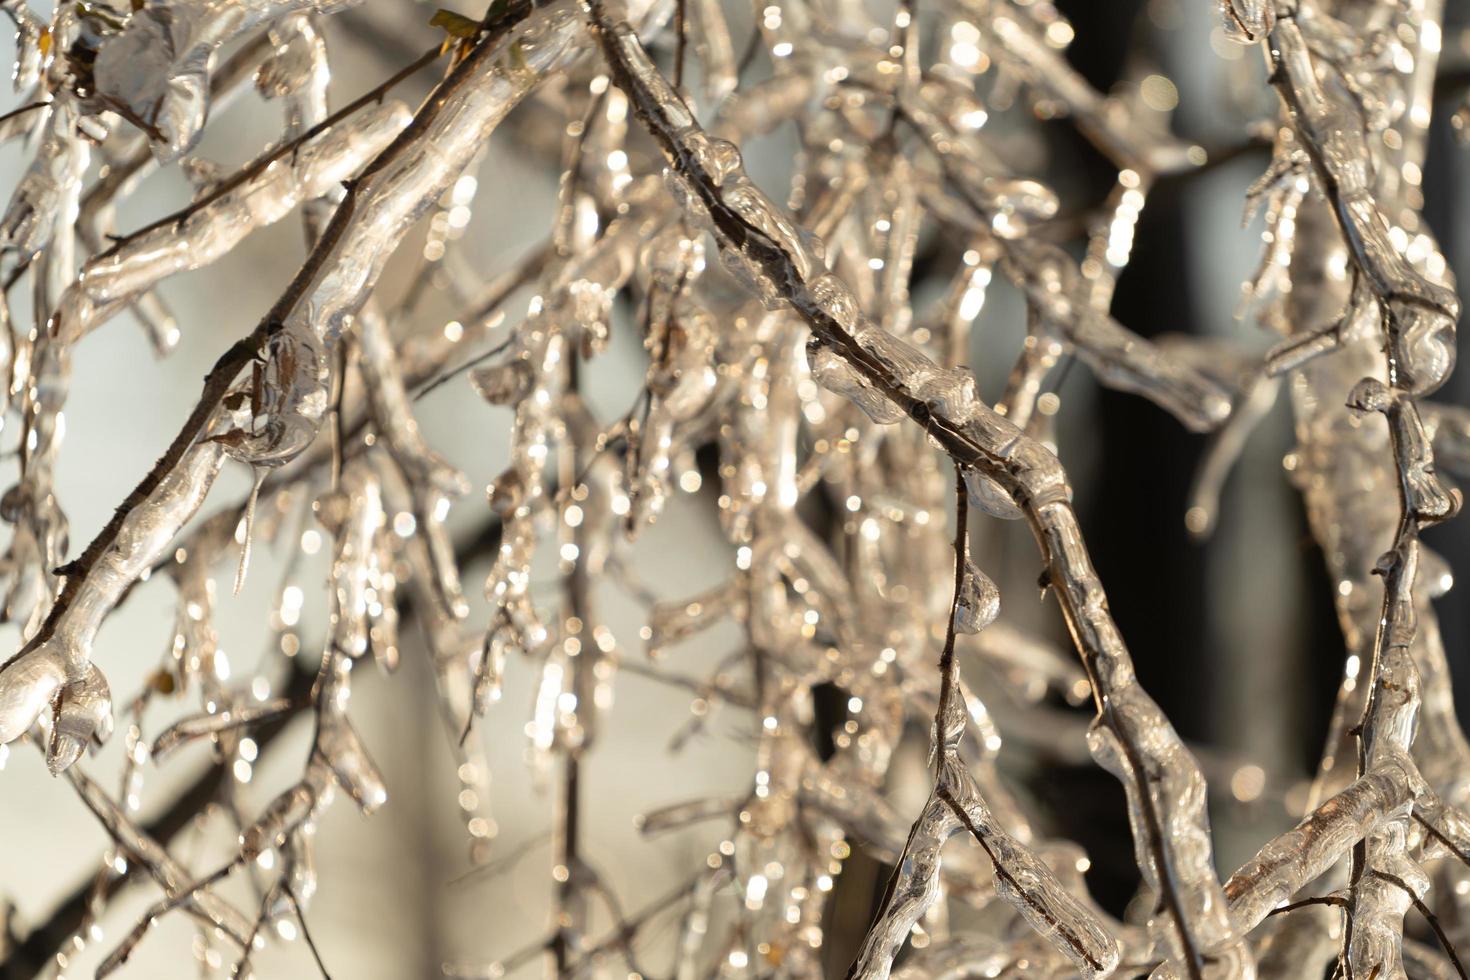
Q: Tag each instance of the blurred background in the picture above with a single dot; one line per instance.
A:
(1235, 637)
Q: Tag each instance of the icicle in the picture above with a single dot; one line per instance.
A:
(247, 528)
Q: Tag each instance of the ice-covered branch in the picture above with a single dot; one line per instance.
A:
(888, 379)
(294, 341)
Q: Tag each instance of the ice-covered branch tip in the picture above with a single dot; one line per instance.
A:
(110, 282)
(889, 378)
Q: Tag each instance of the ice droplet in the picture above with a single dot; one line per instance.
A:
(978, 603)
(839, 377)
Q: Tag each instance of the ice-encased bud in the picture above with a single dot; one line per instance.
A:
(719, 159)
(978, 603)
(504, 384)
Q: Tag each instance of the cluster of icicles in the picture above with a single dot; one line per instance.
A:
(802, 359)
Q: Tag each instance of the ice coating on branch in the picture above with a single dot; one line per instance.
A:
(1426, 498)
(110, 282)
(386, 201)
(362, 595)
(1390, 880)
(400, 186)
(356, 773)
(388, 399)
(1166, 803)
(155, 860)
(1061, 295)
(832, 372)
(63, 649)
(157, 70)
(1294, 859)
(1021, 878)
(27, 685)
(198, 726)
(1024, 47)
(83, 711)
(1353, 476)
(1420, 313)
(1121, 360)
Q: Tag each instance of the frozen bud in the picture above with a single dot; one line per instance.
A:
(978, 603)
(1370, 395)
(504, 384)
(719, 159)
(333, 509)
(508, 492)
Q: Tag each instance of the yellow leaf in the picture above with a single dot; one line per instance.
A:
(455, 25)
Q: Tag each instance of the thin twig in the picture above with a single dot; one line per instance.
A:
(305, 930)
(1336, 901)
(681, 34)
